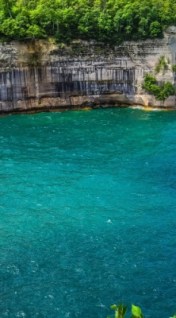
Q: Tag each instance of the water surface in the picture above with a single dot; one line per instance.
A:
(87, 213)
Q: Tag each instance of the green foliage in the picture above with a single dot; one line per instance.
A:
(110, 21)
(121, 310)
(166, 90)
(162, 91)
(155, 29)
(136, 312)
(174, 68)
(162, 65)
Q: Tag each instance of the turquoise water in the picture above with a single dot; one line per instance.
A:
(87, 213)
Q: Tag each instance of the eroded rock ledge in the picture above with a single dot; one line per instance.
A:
(44, 76)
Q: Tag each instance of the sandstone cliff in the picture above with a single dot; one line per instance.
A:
(43, 75)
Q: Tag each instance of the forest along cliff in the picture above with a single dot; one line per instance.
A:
(43, 75)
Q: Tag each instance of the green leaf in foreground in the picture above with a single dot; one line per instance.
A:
(136, 312)
(120, 310)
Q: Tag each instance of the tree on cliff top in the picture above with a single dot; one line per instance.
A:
(109, 21)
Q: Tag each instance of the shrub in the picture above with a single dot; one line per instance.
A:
(161, 92)
(174, 68)
(162, 65)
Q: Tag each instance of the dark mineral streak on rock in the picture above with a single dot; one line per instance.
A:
(42, 75)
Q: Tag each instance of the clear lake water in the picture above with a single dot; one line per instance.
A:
(87, 213)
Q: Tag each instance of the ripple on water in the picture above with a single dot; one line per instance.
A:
(87, 213)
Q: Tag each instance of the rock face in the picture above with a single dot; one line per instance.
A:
(43, 75)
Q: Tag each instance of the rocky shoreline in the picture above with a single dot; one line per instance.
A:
(44, 76)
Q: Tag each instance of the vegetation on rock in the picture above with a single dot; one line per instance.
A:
(174, 68)
(160, 91)
(162, 65)
(110, 21)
